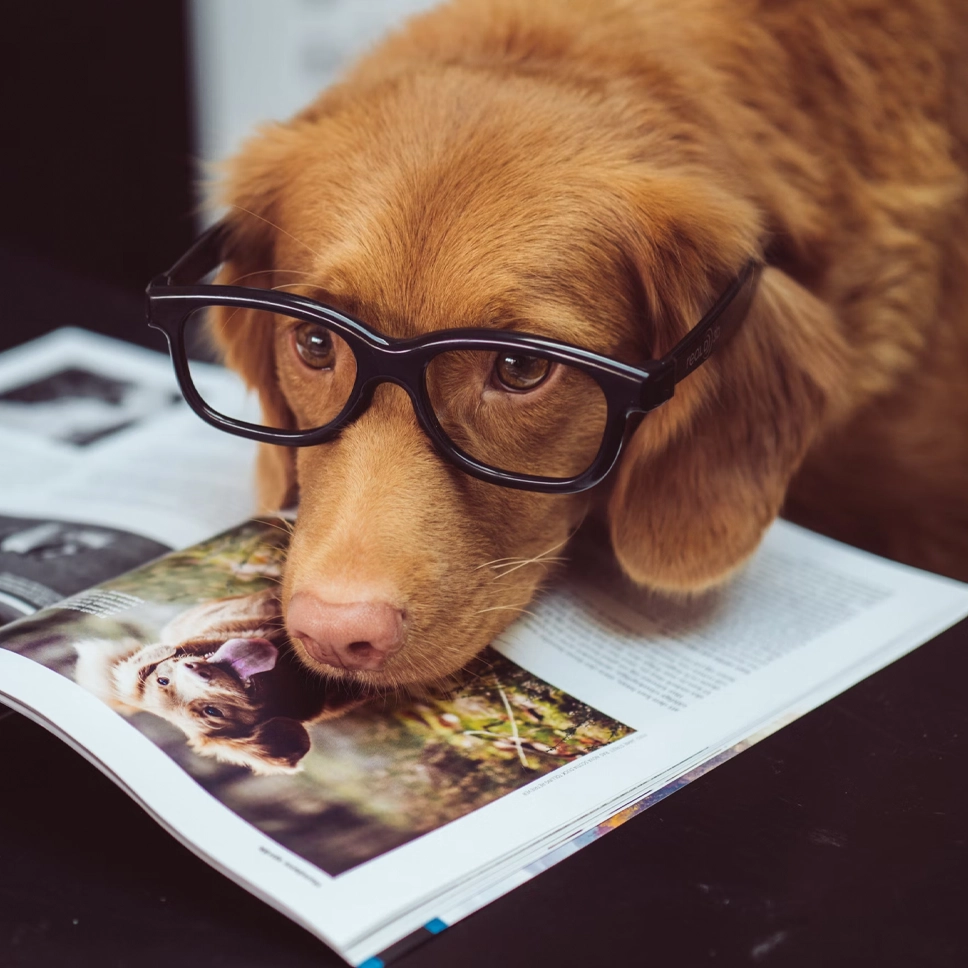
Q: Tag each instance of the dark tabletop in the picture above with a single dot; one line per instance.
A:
(840, 840)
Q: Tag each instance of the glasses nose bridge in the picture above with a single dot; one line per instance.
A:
(393, 367)
(405, 367)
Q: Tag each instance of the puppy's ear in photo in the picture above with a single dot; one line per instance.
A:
(274, 746)
(704, 476)
(279, 744)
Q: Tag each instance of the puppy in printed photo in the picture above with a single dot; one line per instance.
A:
(223, 672)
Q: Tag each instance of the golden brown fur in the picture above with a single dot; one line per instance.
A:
(597, 170)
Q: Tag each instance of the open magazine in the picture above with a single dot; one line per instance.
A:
(378, 822)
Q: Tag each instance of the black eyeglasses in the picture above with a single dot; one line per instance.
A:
(514, 409)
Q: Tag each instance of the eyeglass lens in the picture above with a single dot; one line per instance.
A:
(518, 412)
(314, 363)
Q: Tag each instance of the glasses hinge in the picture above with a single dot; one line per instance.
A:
(659, 386)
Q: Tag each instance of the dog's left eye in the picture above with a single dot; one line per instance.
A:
(314, 344)
(163, 680)
(520, 372)
(212, 711)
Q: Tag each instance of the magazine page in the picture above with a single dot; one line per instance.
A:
(375, 822)
(104, 466)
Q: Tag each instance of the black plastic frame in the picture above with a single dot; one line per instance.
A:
(628, 390)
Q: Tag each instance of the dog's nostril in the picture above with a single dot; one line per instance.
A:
(359, 648)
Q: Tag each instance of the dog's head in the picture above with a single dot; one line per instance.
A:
(450, 197)
(220, 695)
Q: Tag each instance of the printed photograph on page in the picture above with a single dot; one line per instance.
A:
(43, 560)
(78, 406)
(191, 651)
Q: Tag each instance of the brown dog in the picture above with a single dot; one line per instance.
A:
(224, 674)
(597, 171)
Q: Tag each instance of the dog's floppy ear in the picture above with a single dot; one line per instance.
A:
(704, 476)
(251, 188)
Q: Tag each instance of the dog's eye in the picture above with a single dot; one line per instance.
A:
(163, 680)
(212, 711)
(520, 372)
(314, 344)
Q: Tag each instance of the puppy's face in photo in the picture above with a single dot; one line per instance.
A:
(206, 693)
(216, 694)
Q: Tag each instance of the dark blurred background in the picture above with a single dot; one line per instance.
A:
(98, 165)
(109, 108)
(97, 168)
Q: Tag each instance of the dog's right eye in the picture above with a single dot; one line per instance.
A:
(314, 344)
(163, 680)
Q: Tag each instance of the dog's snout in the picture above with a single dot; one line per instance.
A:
(354, 635)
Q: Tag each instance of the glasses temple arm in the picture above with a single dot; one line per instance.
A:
(717, 326)
(205, 254)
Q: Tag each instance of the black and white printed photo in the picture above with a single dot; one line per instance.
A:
(79, 406)
(42, 562)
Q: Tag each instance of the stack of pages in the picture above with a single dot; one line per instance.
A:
(377, 824)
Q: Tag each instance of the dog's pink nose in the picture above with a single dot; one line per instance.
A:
(358, 635)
